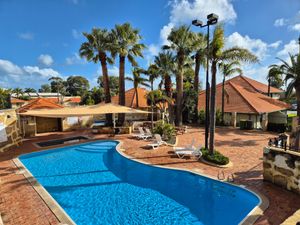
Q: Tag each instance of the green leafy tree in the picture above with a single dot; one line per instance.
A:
(227, 70)
(137, 80)
(58, 85)
(77, 85)
(95, 49)
(181, 42)
(45, 88)
(125, 44)
(113, 84)
(29, 90)
(217, 55)
(5, 98)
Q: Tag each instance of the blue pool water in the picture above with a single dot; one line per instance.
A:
(94, 184)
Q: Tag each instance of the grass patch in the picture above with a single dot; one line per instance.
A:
(216, 158)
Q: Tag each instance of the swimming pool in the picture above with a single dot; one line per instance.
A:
(94, 184)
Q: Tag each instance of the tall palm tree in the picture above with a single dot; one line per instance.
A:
(18, 92)
(95, 49)
(181, 41)
(137, 81)
(200, 59)
(274, 77)
(125, 43)
(217, 55)
(227, 70)
(291, 70)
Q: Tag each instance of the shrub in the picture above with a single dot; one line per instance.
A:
(201, 116)
(166, 130)
(216, 158)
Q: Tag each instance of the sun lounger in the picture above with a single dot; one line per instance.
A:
(158, 142)
(187, 147)
(196, 152)
(142, 134)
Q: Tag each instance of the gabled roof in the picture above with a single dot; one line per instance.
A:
(249, 83)
(39, 103)
(243, 99)
(130, 98)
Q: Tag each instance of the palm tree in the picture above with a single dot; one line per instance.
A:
(274, 77)
(291, 70)
(5, 98)
(217, 55)
(18, 91)
(200, 59)
(227, 70)
(30, 90)
(125, 43)
(165, 62)
(181, 41)
(95, 49)
(137, 80)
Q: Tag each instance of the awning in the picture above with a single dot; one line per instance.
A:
(98, 109)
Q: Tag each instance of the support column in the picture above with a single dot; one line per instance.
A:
(265, 121)
(233, 119)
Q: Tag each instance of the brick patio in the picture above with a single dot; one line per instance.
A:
(20, 204)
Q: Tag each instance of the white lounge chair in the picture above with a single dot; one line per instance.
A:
(196, 152)
(142, 134)
(158, 142)
(148, 132)
(187, 147)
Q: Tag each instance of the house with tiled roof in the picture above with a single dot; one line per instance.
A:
(246, 99)
(17, 103)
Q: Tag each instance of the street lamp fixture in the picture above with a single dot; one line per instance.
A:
(211, 20)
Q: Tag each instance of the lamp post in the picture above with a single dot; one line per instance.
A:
(211, 20)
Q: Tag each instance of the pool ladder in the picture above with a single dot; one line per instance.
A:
(221, 176)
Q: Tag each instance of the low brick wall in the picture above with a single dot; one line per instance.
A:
(282, 168)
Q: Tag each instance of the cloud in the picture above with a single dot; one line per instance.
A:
(258, 73)
(45, 59)
(275, 45)
(295, 27)
(164, 33)
(292, 47)
(75, 59)
(13, 75)
(26, 36)
(280, 22)
(256, 46)
(76, 34)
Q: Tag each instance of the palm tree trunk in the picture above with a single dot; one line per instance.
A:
(136, 97)
(196, 86)
(152, 107)
(223, 98)
(212, 107)
(179, 87)
(297, 88)
(106, 86)
(121, 116)
(269, 86)
(168, 89)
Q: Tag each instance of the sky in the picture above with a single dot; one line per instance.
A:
(41, 38)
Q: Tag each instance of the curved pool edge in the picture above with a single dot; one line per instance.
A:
(252, 216)
(64, 218)
(51, 203)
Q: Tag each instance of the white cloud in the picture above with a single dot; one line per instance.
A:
(26, 36)
(13, 75)
(76, 34)
(75, 59)
(256, 46)
(275, 45)
(164, 33)
(184, 11)
(258, 73)
(45, 59)
(280, 22)
(296, 27)
(292, 47)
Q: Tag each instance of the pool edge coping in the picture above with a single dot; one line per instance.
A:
(251, 217)
(51, 203)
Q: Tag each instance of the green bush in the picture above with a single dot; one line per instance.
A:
(201, 116)
(166, 130)
(216, 158)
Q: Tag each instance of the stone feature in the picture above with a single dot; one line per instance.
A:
(282, 168)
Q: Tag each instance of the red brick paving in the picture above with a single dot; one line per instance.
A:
(20, 204)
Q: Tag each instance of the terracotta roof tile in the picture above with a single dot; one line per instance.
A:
(16, 100)
(130, 98)
(243, 99)
(40, 103)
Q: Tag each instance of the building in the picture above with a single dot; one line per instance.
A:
(17, 103)
(246, 99)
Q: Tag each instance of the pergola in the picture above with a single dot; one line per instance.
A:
(99, 109)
